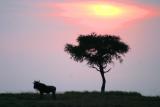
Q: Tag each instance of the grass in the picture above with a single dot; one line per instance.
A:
(79, 99)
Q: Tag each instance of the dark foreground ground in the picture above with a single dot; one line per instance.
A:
(79, 99)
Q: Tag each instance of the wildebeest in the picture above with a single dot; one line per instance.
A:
(43, 88)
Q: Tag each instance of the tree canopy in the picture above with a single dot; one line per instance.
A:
(97, 49)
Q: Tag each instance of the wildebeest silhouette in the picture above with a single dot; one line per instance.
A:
(43, 88)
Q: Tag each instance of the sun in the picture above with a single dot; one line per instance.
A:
(104, 10)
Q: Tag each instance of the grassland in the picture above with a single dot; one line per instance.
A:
(79, 99)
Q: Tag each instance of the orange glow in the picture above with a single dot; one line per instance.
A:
(99, 9)
(104, 10)
(99, 15)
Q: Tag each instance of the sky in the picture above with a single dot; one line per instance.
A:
(33, 35)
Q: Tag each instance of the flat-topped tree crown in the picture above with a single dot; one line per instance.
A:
(97, 50)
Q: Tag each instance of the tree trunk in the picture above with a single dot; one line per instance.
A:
(103, 80)
(103, 83)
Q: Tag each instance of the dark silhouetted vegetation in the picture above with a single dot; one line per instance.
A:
(98, 51)
(79, 99)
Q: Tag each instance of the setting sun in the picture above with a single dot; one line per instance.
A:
(103, 10)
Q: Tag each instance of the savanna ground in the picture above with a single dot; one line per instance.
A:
(79, 99)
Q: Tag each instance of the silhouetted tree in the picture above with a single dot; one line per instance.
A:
(99, 51)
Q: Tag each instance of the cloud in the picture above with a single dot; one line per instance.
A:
(83, 14)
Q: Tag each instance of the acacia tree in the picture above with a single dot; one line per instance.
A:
(99, 51)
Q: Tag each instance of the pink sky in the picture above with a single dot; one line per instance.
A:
(78, 13)
(33, 35)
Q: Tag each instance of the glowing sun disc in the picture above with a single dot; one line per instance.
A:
(103, 10)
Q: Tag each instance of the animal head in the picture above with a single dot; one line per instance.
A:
(36, 84)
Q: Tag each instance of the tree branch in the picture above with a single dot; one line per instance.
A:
(105, 66)
(95, 68)
(107, 70)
